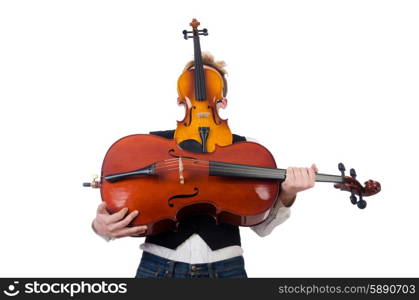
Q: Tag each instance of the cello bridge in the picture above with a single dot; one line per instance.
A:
(181, 178)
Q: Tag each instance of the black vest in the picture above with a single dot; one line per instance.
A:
(216, 236)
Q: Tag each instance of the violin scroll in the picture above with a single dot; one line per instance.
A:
(194, 24)
(350, 184)
(195, 31)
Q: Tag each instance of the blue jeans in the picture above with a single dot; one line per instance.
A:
(153, 266)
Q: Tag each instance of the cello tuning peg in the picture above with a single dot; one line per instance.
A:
(361, 203)
(353, 198)
(342, 169)
(352, 172)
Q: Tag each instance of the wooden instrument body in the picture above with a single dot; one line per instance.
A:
(202, 113)
(237, 201)
(166, 183)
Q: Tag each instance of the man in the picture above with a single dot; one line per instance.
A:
(200, 248)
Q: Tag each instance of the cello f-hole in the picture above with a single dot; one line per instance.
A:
(171, 153)
(170, 200)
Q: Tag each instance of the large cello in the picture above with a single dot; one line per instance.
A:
(236, 184)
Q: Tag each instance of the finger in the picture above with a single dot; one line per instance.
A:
(311, 173)
(140, 232)
(117, 216)
(101, 209)
(312, 176)
(223, 103)
(302, 177)
(290, 175)
(314, 167)
(309, 177)
(128, 219)
(131, 231)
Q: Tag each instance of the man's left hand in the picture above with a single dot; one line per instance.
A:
(297, 180)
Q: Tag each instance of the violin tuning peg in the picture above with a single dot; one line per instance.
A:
(352, 173)
(341, 168)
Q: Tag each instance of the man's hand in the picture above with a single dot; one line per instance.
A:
(297, 180)
(115, 225)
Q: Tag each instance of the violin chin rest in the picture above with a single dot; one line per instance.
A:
(191, 145)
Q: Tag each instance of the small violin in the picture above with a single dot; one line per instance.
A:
(200, 89)
(236, 184)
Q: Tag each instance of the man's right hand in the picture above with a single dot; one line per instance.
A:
(115, 225)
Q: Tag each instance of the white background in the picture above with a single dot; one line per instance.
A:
(314, 81)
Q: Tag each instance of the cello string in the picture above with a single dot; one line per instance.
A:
(172, 164)
(221, 168)
(164, 164)
(174, 161)
(279, 174)
(254, 170)
(265, 173)
(244, 170)
(226, 167)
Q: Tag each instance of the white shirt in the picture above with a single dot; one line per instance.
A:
(195, 251)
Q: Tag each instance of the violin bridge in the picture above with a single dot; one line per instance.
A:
(181, 178)
(203, 115)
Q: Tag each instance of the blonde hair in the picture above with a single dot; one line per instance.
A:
(208, 60)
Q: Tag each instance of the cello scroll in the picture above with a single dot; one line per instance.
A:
(352, 185)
